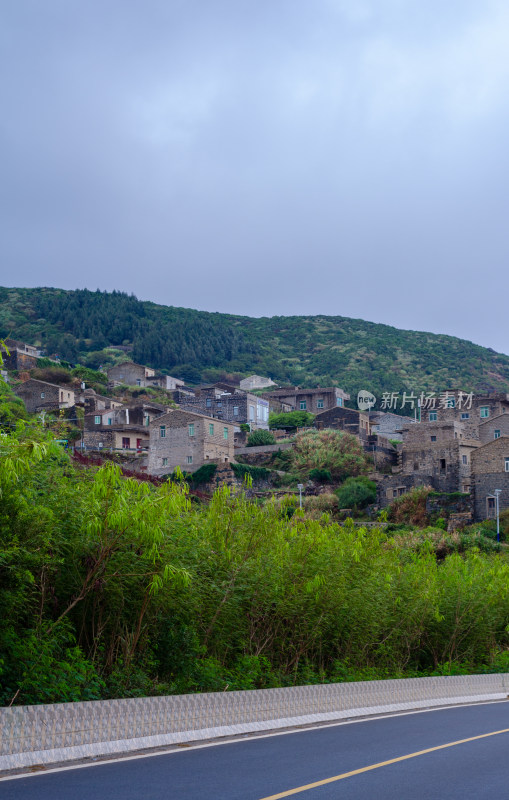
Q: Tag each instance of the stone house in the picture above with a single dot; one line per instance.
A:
(188, 440)
(130, 374)
(494, 428)
(388, 425)
(21, 356)
(124, 428)
(490, 471)
(44, 396)
(312, 400)
(165, 382)
(230, 404)
(349, 420)
(472, 414)
(440, 453)
(389, 487)
(91, 401)
(255, 382)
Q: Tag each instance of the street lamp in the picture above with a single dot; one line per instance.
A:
(497, 494)
(300, 487)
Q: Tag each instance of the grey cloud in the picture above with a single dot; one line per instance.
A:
(279, 157)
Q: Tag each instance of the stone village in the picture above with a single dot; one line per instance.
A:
(456, 448)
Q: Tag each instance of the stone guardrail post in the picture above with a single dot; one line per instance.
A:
(47, 734)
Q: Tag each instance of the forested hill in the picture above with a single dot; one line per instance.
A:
(197, 345)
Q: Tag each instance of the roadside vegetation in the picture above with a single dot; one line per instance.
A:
(111, 587)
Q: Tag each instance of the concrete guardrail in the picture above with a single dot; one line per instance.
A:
(46, 734)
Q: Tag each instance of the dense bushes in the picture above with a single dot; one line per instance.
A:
(260, 437)
(256, 473)
(410, 508)
(339, 453)
(112, 587)
(356, 493)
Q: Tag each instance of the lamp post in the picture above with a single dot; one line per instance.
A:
(300, 487)
(497, 494)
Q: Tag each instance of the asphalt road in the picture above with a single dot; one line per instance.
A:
(265, 767)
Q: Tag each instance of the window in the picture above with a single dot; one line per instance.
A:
(303, 405)
(211, 430)
(433, 438)
(451, 403)
(225, 433)
(191, 429)
(319, 402)
(189, 459)
(162, 431)
(146, 420)
(496, 435)
(416, 466)
(110, 420)
(219, 404)
(121, 376)
(507, 465)
(432, 416)
(97, 420)
(165, 462)
(442, 463)
(464, 460)
(251, 413)
(43, 395)
(138, 381)
(235, 411)
(126, 443)
(465, 415)
(339, 401)
(208, 402)
(485, 412)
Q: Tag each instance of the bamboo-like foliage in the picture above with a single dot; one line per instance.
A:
(110, 587)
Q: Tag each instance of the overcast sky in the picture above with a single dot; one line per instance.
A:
(262, 157)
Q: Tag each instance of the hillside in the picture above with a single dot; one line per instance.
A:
(81, 325)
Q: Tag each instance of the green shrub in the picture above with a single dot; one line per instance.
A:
(203, 474)
(339, 453)
(320, 476)
(410, 508)
(53, 374)
(327, 502)
(256, 473)
(260, 437)
(356, 493)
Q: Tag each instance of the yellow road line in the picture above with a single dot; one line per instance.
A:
(377, 766)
